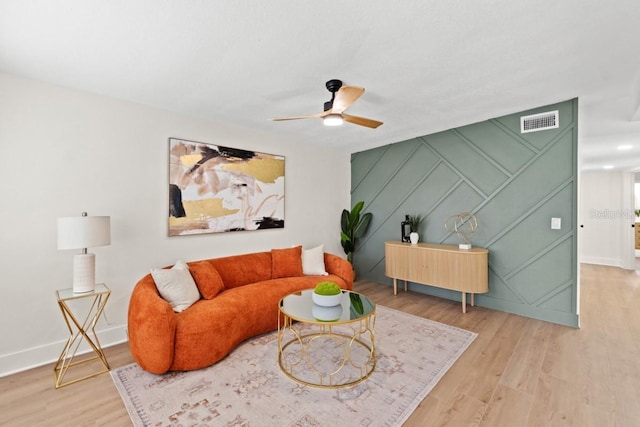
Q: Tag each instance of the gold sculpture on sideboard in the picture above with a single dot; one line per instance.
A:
(464, 225)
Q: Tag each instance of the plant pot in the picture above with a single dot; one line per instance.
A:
(326, 300)
(413, 237)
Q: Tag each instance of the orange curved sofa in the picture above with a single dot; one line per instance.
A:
(239, 300)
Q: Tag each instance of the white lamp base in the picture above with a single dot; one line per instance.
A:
(84, 273)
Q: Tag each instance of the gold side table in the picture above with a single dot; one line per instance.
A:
(79, 331)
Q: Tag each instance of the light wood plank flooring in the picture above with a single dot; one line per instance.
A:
(518, 372)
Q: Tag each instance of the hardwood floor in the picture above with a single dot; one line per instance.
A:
(518, 371)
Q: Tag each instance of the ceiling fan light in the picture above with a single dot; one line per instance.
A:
(332, 120)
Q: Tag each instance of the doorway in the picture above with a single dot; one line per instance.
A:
(607, 219)
(636, 211)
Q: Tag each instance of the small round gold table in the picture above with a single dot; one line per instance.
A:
(326, 347)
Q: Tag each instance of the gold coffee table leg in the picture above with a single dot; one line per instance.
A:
(300, 360)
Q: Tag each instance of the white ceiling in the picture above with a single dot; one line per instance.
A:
(426, 65)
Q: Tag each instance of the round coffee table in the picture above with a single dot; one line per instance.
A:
(326, 346)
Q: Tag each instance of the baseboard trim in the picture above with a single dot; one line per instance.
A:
(612, 262)
(49, 353)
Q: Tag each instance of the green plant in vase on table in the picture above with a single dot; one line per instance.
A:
(327, 294)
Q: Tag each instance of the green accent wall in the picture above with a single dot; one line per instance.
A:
(514, 183)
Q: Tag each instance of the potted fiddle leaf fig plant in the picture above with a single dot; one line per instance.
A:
(353, 226)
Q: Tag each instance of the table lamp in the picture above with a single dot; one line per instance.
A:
(82, 232)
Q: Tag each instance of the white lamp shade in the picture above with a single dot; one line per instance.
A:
(78, 232)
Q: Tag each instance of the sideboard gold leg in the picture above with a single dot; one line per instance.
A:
(464, 302)
(395, 286)
(473, 298)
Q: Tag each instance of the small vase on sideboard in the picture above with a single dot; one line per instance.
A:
(414, 237)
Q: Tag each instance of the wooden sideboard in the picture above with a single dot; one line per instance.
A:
(442, 266)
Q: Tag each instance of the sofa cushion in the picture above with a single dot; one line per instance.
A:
(176, 286)
(207, 279)
(286, 262)
(240, 270)
(313, 261)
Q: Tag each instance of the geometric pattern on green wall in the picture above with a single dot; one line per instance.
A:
(514, 183)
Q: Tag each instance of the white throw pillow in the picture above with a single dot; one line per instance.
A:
(313, 262)
(176, 286)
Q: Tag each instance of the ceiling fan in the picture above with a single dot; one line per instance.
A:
(341, 98)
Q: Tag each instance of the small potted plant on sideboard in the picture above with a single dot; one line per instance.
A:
(415, 221)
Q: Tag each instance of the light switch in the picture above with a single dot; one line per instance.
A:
(556, 223)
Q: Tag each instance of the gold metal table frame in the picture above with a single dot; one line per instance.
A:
(79, 331)
(353, 334)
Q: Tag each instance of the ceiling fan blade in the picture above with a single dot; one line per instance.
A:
(309, 116)
(346, 96)
(362, 121)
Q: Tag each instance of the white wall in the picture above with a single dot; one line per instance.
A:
(607, 214)
(64, 151)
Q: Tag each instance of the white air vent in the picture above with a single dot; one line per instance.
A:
(538, 122)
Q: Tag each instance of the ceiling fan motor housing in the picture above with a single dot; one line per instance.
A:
(333, 86)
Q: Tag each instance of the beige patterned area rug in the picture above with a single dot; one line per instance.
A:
(247, 388)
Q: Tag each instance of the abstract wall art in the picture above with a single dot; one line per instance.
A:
(216, 189)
